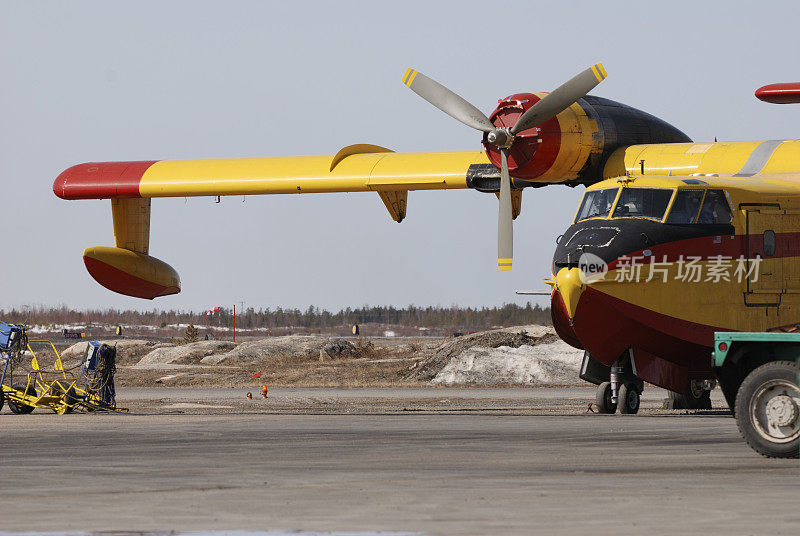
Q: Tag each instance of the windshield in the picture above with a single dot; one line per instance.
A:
(643, 203)
(715, 208)
(597, 204)
(686, 206)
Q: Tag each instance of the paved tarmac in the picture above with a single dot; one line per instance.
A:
(438, 400)
(431, 473)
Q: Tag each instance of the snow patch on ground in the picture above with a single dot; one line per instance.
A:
(554, 363)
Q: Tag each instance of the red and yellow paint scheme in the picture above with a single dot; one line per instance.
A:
(663, 327)
(568, 148)
(648, 307)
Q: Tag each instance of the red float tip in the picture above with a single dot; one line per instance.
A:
(787, 93)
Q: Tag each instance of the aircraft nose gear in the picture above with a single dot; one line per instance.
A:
(623, 391)
(628, 399)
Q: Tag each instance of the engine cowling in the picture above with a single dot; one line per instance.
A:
(534, 150)
(574, 145)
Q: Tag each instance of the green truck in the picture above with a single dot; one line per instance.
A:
(759, 374)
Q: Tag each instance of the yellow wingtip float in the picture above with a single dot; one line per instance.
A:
(130, 273)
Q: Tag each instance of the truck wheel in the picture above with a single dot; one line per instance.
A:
(603, 399)
(22, 409)
(768, 410)
(693, 398)
(628, 399)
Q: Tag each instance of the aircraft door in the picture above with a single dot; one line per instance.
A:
(764, 285)
(789, 247)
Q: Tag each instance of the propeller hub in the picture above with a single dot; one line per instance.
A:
(502, 137)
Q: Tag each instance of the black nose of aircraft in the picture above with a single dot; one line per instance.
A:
(588, 307)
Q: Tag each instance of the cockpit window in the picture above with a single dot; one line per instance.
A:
(686, 206)
(597, 204)
(715, 208)
(643, 203)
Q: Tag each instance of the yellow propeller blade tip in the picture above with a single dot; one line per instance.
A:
(599, 72)
(409, 76)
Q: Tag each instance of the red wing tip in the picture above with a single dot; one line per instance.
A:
(101, 180)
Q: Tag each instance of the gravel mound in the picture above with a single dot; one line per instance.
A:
(129, 351)
(147, 354)
(336, 348)
(191, 353)
(289, 346)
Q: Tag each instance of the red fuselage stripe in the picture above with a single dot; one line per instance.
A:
(606, 327)
(733, 246)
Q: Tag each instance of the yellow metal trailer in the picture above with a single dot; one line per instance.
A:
(56, 389)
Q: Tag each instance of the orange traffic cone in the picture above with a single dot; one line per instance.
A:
(264, 391)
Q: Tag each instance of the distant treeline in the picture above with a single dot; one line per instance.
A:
(430, 317)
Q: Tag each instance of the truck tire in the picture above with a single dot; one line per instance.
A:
(692, 398)
(768, 410)
(603, 399)
(22, 409)
(628, 400)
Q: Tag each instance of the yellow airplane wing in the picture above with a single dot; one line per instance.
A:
(128, 269)
(357, 168)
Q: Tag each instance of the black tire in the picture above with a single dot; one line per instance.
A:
(66, 389)
(603, 399)
(2, 398)
(22, 409)
(769, 389)
(628, 399)
(690, 399)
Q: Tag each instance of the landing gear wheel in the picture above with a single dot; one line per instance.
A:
(628, 399)
(22, 409)
(603, 399)
(768, 410)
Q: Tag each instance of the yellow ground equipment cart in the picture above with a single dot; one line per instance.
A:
(57, 388)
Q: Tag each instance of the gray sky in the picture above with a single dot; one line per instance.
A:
(96, 81)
